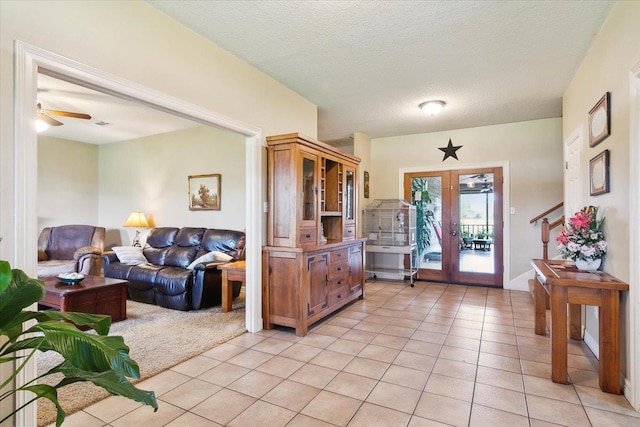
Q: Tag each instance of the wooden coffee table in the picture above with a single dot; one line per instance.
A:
(94, 295)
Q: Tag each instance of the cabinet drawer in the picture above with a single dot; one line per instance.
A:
(337, 283)
(339, 255)
(338, 269)
(307, 235)
(338, 296)
(349, 232)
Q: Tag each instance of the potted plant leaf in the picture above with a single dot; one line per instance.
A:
(101, 359)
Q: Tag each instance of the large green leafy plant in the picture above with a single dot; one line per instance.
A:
(101, 359)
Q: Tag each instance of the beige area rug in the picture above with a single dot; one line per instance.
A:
(158, 339)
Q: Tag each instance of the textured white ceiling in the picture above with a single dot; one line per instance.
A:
(368, 64)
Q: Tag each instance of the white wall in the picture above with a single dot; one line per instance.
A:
(362, 149)
(606, 68)
(532, 149)
(151, 174)
(67, 182)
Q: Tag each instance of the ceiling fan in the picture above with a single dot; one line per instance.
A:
(45, 115)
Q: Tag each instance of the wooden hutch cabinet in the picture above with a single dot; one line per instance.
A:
(313, 263)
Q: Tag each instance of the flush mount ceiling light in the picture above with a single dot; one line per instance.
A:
(431, 108)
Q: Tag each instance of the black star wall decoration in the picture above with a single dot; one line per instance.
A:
(450, 150)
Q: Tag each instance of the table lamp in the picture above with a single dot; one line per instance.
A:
(136, 219)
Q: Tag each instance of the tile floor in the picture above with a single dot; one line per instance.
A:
(432, 355)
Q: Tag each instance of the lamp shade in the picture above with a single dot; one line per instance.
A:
(136, 219)
(431, 108)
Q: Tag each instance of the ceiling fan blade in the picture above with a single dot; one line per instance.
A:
(68, 114)
(49, 120)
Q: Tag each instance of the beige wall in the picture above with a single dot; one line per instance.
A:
(67, 182)
(151, 174)
(532, 149)
(606, 68)
(362, 149)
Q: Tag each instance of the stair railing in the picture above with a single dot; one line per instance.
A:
(546, 227)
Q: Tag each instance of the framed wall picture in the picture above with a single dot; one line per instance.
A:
(366, 184)
(204, 192)
(599, 173)
(600, 121)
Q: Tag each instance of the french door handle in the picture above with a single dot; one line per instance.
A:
(454, 229)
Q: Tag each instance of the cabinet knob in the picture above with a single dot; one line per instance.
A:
(339, 269)
(308, 236)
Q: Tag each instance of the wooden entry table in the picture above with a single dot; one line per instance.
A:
(565, 284)
(94, 295)
(233, 271)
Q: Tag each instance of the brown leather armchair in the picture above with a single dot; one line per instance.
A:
(70, 248)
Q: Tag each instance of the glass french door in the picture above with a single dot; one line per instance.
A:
(458, 225)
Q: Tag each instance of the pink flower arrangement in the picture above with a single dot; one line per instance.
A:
(583, 237)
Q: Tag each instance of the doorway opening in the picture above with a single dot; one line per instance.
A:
(459, 224)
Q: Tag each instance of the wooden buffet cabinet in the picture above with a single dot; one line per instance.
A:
(313, 263)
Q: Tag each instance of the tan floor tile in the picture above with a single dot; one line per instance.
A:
(466, 332)
(112, 408)
(451, 387)
(317, 340)
(501, 399)
(536, 369)
(191, 420)
(366, 367)
(407, 377)
(395, 397)
(498, 337)
(346, 322)
(582, 362)
(415, 360)
(534, 355)
(405, 323)
(189, 394)
(347, 346)
(332, 408)
(223, 406)
(255, 384)
(462, 342)
(433, 337)
(422, 347)
(482, 416)
(584, 377)
(250, 359)
(286, 335)
(223, 374)
(224, 351)
(280, 366)
(376, 318)
(398, 331)
(379, 353)
(359, 336)
(544, 387)
(263, 414)
(291, 395)
(434, 327)
(331, 330)
(332, 359)
(459, 354)
(387, 312)
(369, 326)
(499, 378)
(353, 314)
(247, 340)
(272, 346)
(600, 418)
(145, 416)
(196, 365)
(453, 368)
(500, 349)
(163, 382)
(313, 375)
(499, 362)
(376, 416)
(444, 409)
(423, 422)
(302, 420)
(499, 328)
(595, 398)
(80, 419)
(551, 410)
(301, 352)
(390, 341)
(351, 385)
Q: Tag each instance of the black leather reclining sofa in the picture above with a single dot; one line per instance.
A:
(165, 279)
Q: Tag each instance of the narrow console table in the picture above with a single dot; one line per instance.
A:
(565, 284)
(233, 271)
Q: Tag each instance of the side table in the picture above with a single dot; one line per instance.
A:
(233, 271)
(565, 284)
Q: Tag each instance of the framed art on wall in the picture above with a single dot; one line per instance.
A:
(599, 173)
(600, 121)
(204, 192)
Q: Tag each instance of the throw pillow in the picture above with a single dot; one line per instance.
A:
(210, 257)
(130, 255)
